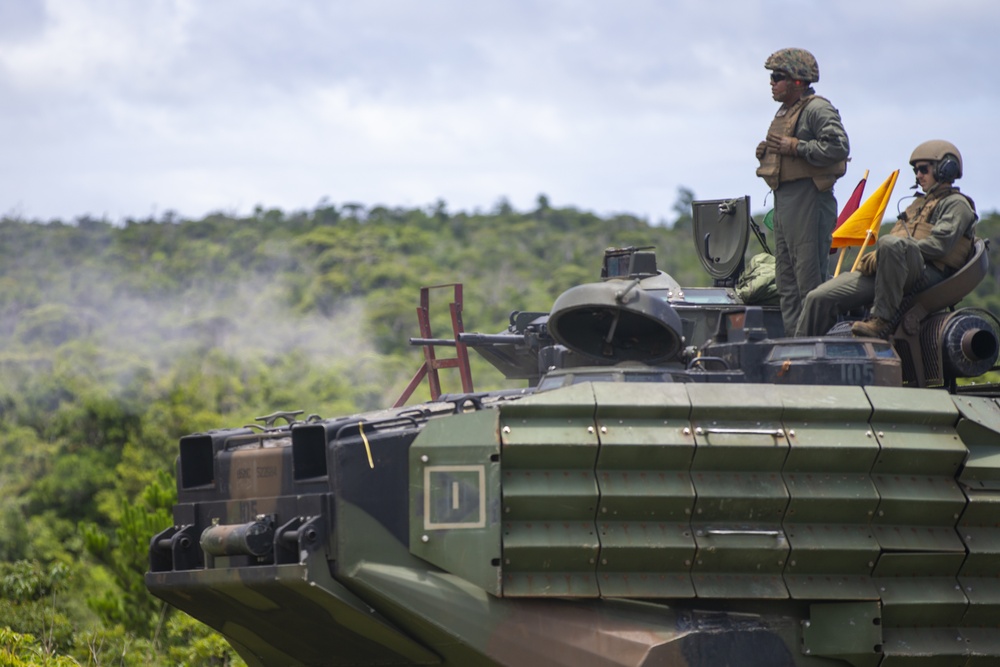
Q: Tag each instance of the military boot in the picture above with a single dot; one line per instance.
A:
(873, 327)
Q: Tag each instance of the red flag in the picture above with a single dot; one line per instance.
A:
(853, 202)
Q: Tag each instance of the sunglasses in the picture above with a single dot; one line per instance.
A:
(778, 76)
(922, 169)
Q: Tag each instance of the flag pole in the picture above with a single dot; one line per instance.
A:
(840, 262)
(861, 251)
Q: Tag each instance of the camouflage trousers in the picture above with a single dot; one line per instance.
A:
(804, 219)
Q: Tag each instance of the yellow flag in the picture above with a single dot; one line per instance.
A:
(867, 218)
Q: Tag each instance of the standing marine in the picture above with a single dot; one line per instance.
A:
(805, 152)
(932, 239)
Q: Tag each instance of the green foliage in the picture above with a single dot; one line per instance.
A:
(23, 581)
(23, 650)
(682, 207)
(193, 644)
(51, 325)
(126, 556)
(31, 601)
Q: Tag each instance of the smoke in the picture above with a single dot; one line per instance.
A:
(95, 327)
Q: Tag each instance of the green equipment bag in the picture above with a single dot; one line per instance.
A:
(756, 285)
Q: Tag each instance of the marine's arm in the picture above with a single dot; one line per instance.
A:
(822, 138)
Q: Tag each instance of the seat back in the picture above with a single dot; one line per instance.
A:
(918, 368)
(953, 289)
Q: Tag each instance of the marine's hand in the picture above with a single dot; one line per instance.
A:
(761, 149)
(783, 145)
(868, 264)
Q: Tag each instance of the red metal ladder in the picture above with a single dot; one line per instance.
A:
(431, 363)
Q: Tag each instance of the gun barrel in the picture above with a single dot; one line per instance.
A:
(432, 341)
(475, 339)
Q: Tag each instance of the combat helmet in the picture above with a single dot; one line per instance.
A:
(944, 155)
(799, 63)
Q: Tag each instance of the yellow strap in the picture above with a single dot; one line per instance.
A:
(368, 448)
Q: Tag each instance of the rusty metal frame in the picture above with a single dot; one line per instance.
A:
(432, 364)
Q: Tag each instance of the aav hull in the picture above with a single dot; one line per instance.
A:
(602, 524)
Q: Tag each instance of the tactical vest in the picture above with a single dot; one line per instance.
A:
(915, 222)
(776, 169)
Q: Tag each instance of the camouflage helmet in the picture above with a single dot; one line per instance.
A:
(945, 156)
(799, 63)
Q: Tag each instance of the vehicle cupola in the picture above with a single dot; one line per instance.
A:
(619, 319)
(629, 262)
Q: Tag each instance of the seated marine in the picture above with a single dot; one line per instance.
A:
(931, 239)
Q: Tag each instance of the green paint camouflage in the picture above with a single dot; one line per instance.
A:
(608, 524)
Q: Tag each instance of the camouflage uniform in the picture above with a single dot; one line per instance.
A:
(805, 210)
(931, 239)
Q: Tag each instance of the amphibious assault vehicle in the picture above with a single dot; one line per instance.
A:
(677, 484)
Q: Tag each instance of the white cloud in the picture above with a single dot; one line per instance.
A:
(116, 108)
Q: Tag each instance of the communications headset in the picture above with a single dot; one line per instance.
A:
(947, 169)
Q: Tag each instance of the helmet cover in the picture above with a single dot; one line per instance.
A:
(798, 63)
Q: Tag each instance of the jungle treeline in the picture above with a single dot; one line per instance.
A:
(119, 337)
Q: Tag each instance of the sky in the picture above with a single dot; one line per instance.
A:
(118, 109)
